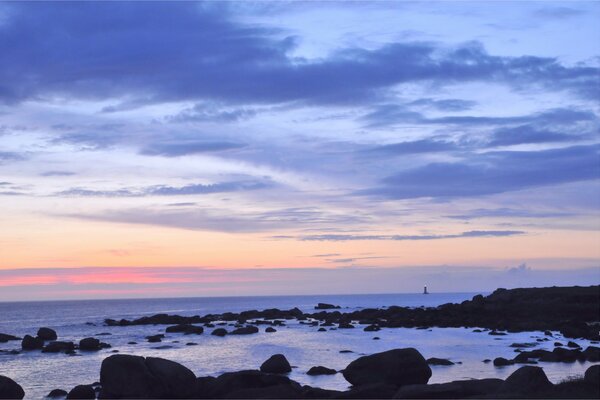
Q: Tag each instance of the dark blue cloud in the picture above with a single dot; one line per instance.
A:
(469, 234)
(414, 147)
(524, 134)
(444, 104)
(493, 172)
(152, 52)
(175, 149)
(507, 213)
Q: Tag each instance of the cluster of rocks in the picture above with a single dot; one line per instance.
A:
(47, 341)
(559, 354)
(399, 373)
(573, 311)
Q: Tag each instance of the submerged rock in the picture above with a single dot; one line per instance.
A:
(397, 367)
(186, 329)
(326, 306)
(6, 337)
(439, 361)
(276, 364)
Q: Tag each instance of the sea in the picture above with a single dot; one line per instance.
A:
(38, 373)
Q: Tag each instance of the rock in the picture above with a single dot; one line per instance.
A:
(276, 364)
(573, 345)
(31, 343)
(345, 325)
(10, 389)
(246, 330)
(592, 353)
(5, 337)
(372, 328)
(592, 376)
(82, 392)
(325, 306)
(219, 332)
(487, 360)
(396, 367)
(320, 370)
(523, 345)
(321, 330)
(250, 384)
(155, 338)
(131, 342)
(558, 344)
(439, 361)
(127, 376)
(548, 333)
(501, 362)
(57, 393)
(270, 329)
(58, 347)
(89, 344)
(47, 334)
(451, 390)
(186, 329)
(496, 333)
(191, 344)
(376, 338)
(371, 391)
(526, 381)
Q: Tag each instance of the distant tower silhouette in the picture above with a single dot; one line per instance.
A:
(425, 290)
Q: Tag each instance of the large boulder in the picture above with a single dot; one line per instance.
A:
(89, 344)
(592, 375)
(276, 364)
(32, 343)
(127, 376)
(241, 384)
(47, 334)
(526, 381)
(396, 367)
(82, 392)
(10, 389)
(451, 390)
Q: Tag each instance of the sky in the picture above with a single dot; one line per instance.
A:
(289, 147)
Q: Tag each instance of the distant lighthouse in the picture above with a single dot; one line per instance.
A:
(425, 290)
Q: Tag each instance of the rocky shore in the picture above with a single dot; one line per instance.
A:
(573, 311)
(394, 374)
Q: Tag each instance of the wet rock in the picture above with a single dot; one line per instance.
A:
(558, 344)
(185, 329)
(163, 347)
(345, 325)
(372, 328)
(592, 353)
(32, 343)
(246, 330)
(496, 333)
(451, 390)
(276, 364)
(10, 389)
(370, 391)
(326, 306)
(523, 345)
(501, 362)
(89, 344)
(573, 345)
(346, 351)
(6, 337)
(396, 367)
(526, 381)
(155, 338)
(320, 370)
(57, 393)
(439, 361)
(82, 392)
(219, 332)
(59, 347)
(127, 376)
(250, 384)
(321, 330)
(270, 329)
(191, 344)
(131, 342)
(376, 338)
(47, 334)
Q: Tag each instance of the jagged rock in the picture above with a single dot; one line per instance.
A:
(276, 364)
(397, 367)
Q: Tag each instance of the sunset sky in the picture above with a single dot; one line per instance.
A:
(225, 148)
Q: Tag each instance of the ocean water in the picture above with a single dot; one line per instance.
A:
(304, 347)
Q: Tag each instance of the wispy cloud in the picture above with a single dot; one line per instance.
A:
(468, 234)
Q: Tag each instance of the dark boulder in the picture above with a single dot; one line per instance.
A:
(321, 330)
(592, 353)
(240, 384)
(59, 347)
(155, 338)
(526, 381)
(89, 344)
(345, 325)
(370, 391)
(396, 367)
(186, 329)
(57, 393)
(372, 328)
(31, 343)
(270, 329)
(451, 390)
(127, 376)
(439, 361)
(47, 334)
(326, 306)
(82, 392)
(573, 345)
(245, 330)
(276, 364)
(10, 389)
(592, 376)
(320, 370)
(219, 332)
(502, 362)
